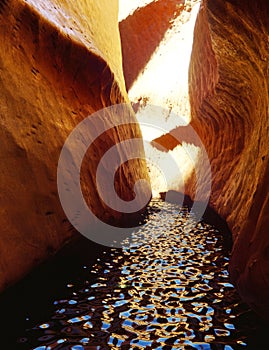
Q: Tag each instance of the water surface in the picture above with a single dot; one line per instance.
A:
(167, 289)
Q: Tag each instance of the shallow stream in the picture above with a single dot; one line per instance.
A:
(168, 289)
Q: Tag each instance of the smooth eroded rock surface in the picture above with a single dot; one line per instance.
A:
(60, 61)
(142, 32)
(229, 102)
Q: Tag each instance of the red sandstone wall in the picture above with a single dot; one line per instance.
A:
(228, 81)
(60, 61)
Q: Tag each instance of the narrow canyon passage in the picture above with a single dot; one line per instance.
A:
(168, 288)
(192, 76)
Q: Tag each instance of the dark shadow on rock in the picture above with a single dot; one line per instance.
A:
(33, 297)
(142, 32)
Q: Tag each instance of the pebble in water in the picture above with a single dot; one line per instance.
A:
(166, 289)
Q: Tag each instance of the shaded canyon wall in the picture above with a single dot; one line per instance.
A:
(60, 61)
(228, 84)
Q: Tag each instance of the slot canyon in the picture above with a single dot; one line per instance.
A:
(183, 85)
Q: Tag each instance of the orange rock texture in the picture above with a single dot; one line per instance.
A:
(228, 83)
(60, 61)
(152, 20)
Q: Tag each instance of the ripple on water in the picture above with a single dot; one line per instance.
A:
(167, 289)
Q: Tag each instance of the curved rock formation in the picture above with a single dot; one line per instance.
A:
(60, 61)
(229, 79)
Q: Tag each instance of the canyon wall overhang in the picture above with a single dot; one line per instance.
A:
(60, 62)
(228, 85)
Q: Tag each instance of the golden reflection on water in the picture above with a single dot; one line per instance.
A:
(167, 289)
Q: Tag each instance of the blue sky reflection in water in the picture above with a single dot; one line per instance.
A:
(168, 289)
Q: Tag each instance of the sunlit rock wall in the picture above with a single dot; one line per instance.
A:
(60, 61)
(156, 73)
(228, 81)
(153, 19)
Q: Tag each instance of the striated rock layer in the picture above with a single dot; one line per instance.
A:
(229, 99)
(60, 61)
